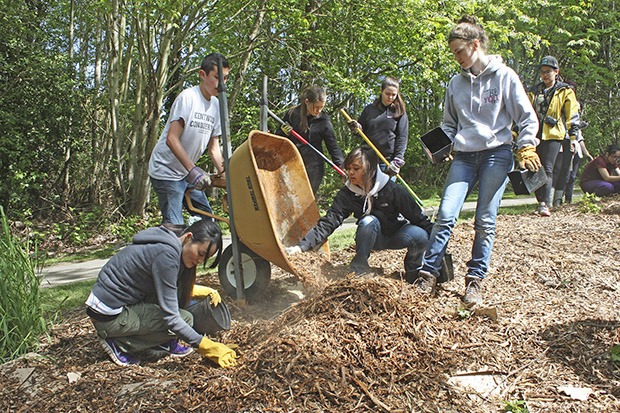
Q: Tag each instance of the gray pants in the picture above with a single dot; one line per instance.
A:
(139, 327)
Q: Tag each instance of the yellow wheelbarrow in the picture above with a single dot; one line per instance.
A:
(273, 207)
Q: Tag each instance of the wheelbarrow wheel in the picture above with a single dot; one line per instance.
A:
(256, 272)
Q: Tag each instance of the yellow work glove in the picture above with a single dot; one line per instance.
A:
(287, 128)
(528, 158)
(218, 353)
(200, 291)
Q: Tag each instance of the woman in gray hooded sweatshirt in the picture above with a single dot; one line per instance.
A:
(138, 300)
(481, 104)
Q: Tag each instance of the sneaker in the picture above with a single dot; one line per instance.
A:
(171, 348)
(543, 210)
(116, 354)
(426, 282)
(473, 291)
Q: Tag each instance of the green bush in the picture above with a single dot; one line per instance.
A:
(22, 321)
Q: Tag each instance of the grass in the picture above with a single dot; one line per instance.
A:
(68, 297)
(65, 297)
(21, 320)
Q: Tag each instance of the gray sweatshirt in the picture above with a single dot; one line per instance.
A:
(479, 111)
(149, 267)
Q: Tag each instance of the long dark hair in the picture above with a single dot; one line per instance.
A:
(369, 160)
(611, 149)
(313, 94)
(398, 106)
(204, 230)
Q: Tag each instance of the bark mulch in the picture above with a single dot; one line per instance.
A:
(334, 343)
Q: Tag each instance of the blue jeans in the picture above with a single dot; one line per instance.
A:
(369, 237)
(489, 169)
(171, 198)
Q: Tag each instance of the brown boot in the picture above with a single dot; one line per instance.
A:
(426, 283)
(473, 290)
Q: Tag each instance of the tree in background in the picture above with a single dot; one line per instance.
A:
(85, 85)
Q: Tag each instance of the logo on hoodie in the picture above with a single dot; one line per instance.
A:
(491, 96)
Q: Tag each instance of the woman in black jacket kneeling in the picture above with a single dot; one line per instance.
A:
(387, 215)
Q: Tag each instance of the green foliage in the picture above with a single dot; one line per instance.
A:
(516, 406)
(37, 105)
(57, 110)
(590, 204)
(21, 322)
(614, 353)
(342, 239)
(88, 229)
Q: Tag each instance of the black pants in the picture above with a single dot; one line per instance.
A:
(547, 152)
(562, 166)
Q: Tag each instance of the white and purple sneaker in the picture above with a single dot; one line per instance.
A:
(171, 348)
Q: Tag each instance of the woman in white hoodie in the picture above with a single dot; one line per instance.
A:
(388, 216)
(482, 103)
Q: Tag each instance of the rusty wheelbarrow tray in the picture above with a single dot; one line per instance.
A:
(273, 207)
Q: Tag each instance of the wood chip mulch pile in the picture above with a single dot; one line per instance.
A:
(542, 340)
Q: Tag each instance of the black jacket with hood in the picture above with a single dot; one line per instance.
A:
(388, 201)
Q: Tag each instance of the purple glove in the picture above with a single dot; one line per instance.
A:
(198, 178)
(393, 168)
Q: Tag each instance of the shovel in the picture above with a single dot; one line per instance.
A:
(380, 155)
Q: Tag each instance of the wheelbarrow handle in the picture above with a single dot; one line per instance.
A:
(305, 142)
(380, 155)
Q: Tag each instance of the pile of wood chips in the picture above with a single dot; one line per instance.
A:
(542, 339)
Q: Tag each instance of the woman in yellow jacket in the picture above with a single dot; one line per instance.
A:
(558, 114)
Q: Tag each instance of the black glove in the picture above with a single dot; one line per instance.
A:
(198, 178)
(550, 120)
(354, 126)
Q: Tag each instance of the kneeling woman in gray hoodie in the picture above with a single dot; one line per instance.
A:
(136, 302)
(387, 215)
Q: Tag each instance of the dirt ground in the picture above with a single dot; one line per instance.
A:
(334, 343)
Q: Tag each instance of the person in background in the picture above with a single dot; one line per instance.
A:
(558, 115)
(567, 166)
(581, 151)
(386, 124)
(135, 303)
(193, 126)
(387, 215)
(309, 120)
(568, 160)
(481, 104)
(601, 176)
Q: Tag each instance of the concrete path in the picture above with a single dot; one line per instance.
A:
(72, 272)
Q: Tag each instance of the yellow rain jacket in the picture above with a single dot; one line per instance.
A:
(561, 105)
